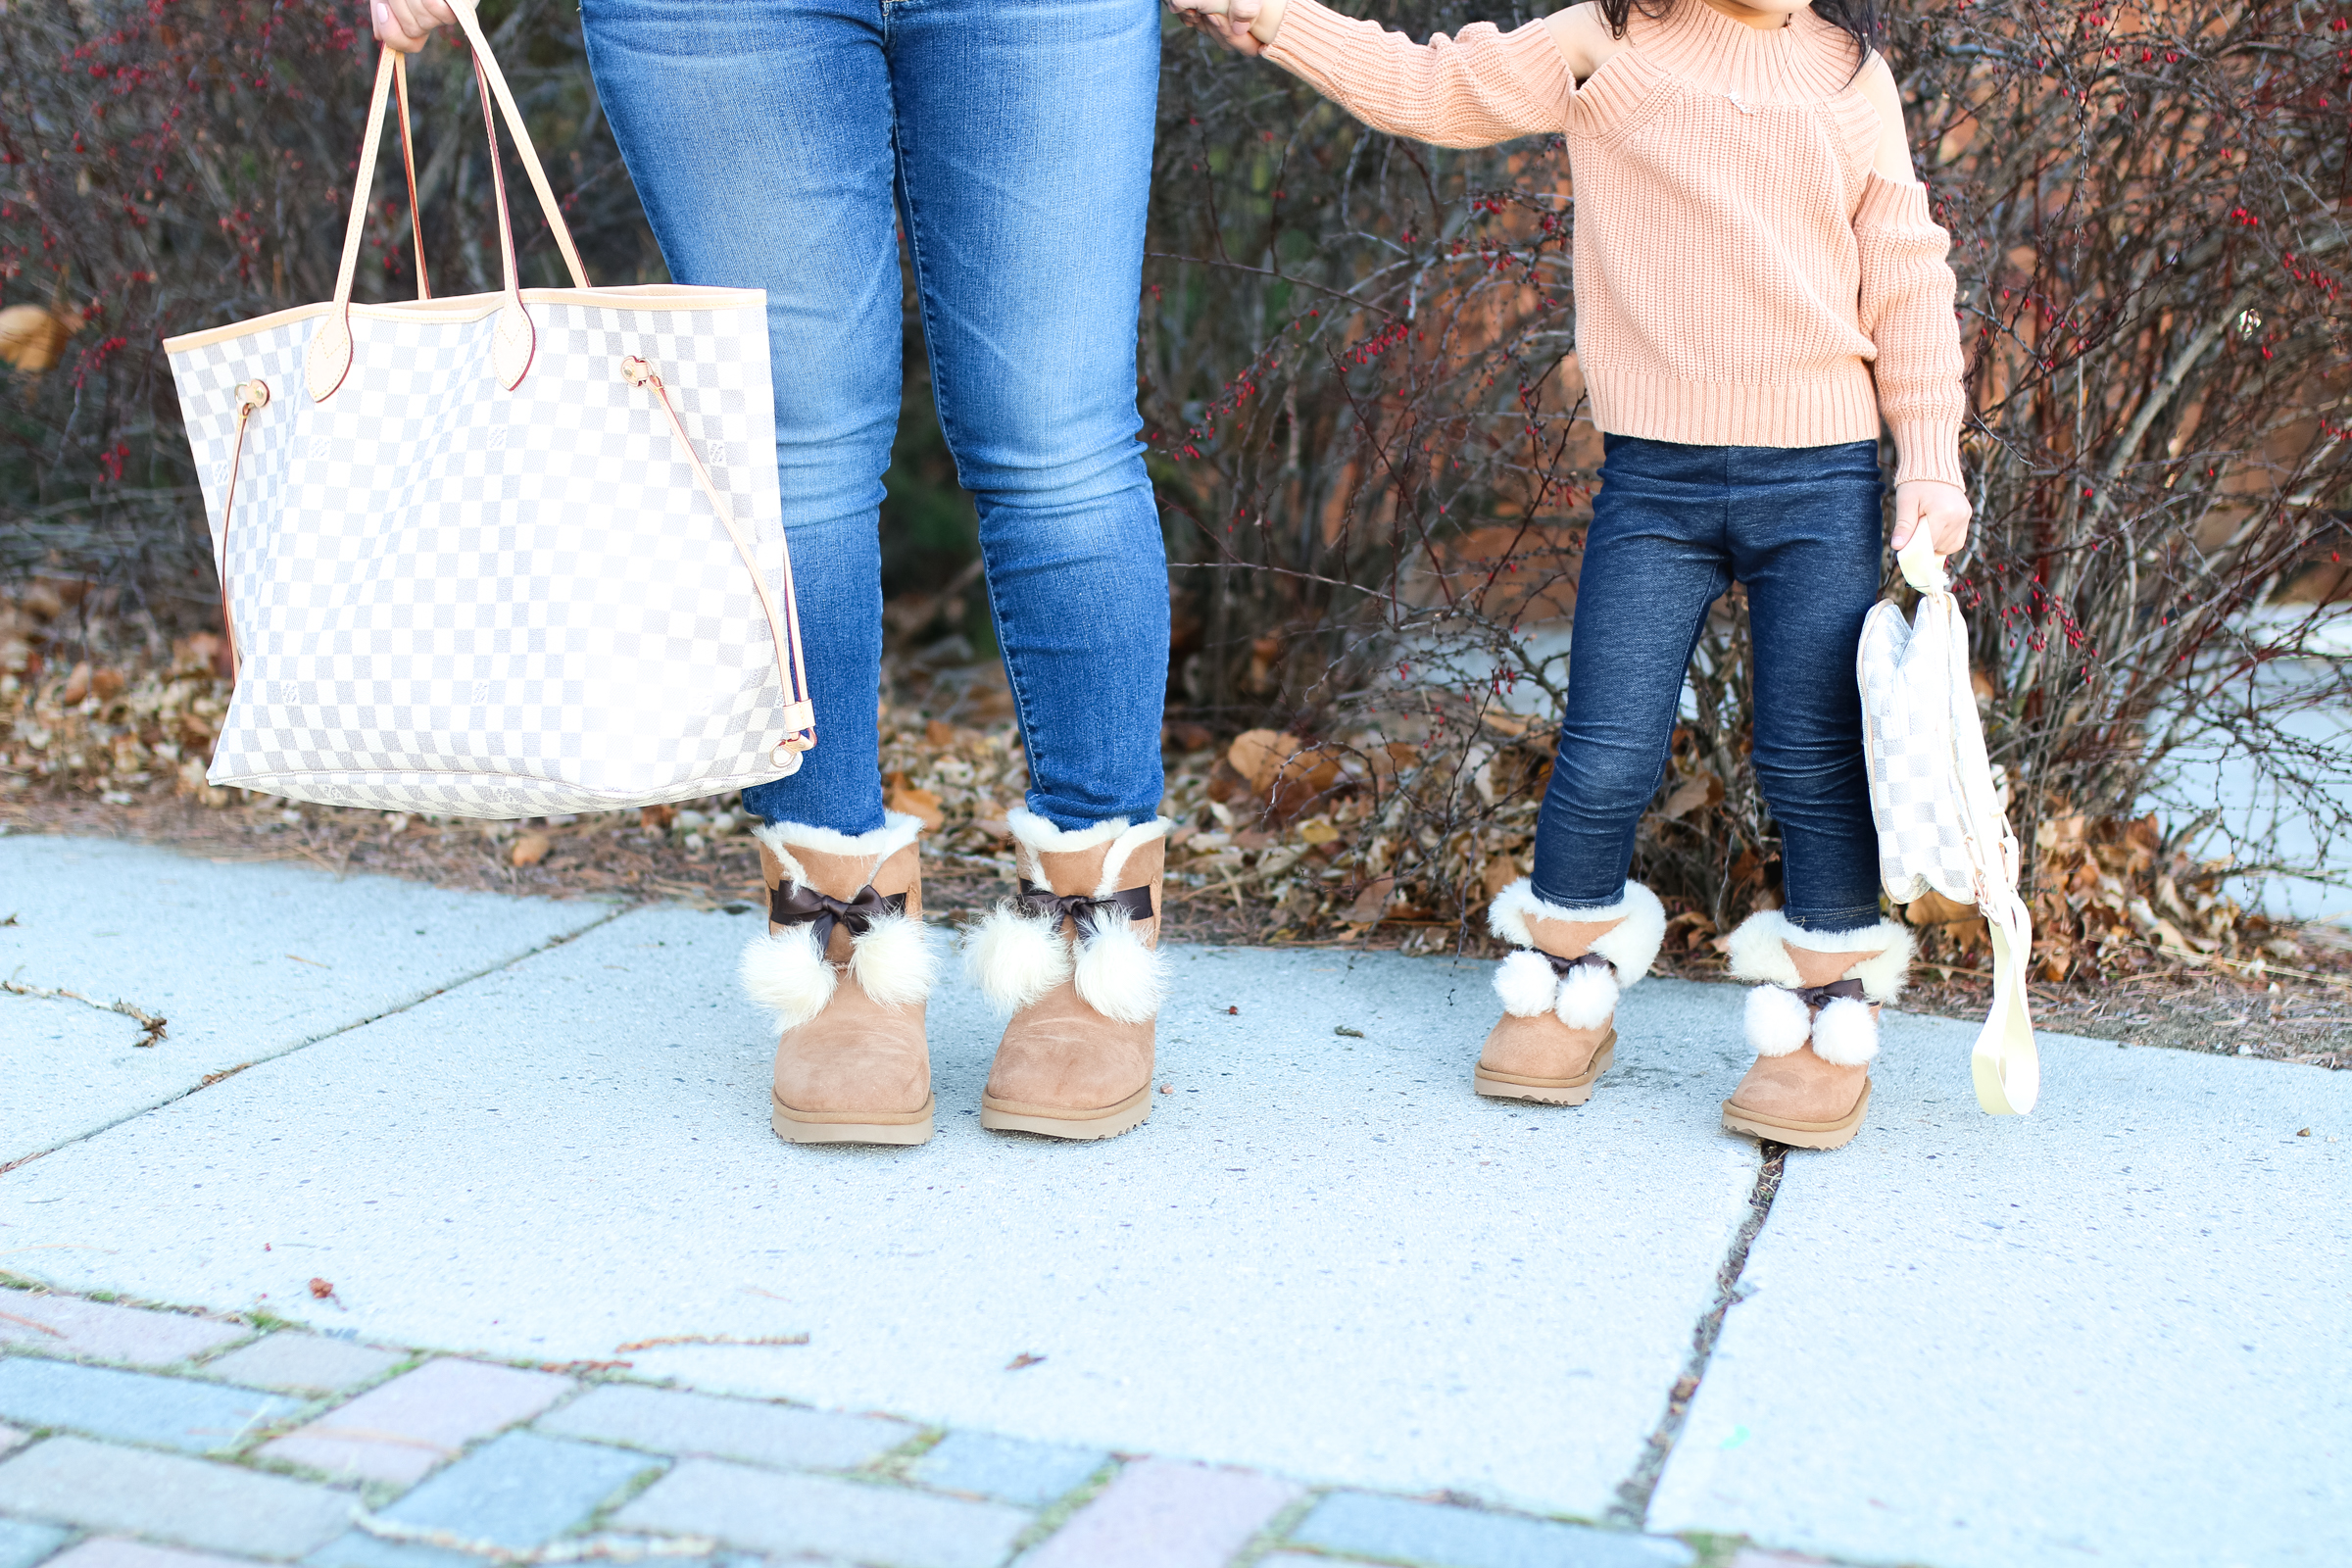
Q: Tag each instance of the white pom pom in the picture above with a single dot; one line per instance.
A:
(1526, 984)
(1015, 960)
(1588, 997)
(1778, 1021)
(1117, 975)
(784, 972)
(891, 961)
(1846, 1033)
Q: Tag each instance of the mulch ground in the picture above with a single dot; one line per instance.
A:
(2284, 1018)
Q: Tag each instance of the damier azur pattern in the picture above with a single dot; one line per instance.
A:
(457, 599)
(1925, 751)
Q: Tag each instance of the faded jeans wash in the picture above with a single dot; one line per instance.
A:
(784, 145)
(1673, 527)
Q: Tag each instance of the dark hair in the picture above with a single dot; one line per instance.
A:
(1859, 19)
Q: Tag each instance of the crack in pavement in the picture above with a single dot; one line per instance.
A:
(153, 1025)
(1631, 1510)
(207, 1082)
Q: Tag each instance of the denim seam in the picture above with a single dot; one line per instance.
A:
(1836, 922)
(947, 426)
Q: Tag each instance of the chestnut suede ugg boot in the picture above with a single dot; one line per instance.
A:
(1814, 1025)
(1075, 958)
(1559, 991)
(845, 965)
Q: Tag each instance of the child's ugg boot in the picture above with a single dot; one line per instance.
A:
(844, 965)
(1559, 991)
(1075, 960)
(1814, 1024)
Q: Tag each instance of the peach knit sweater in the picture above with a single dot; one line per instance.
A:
(1743, 276)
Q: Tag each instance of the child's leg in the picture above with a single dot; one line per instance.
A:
(1807, 542)
(1655, 557)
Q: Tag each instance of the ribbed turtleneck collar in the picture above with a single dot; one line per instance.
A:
(1805, 62)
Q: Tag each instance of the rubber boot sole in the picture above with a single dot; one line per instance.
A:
(850, 1127)
(1012, 1116)
(1799, 1134)
(1545, 1091)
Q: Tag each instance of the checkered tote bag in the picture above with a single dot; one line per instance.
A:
(504, 554)
(1941, 823)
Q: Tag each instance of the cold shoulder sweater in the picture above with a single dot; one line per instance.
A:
(1743, 276)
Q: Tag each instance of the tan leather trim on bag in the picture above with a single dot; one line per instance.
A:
(799, 714)
(327, 361)
(651, 297)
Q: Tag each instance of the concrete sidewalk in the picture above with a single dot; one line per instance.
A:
(531, 1135)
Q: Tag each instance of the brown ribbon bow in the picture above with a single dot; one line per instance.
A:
(1820, 996)
(803, 904)
(1564, 967)
(1079, 909)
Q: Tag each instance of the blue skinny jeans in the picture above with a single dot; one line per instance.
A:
(784, 145)
(1673, 527)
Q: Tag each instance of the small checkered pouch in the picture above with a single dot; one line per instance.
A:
(1940, 822)
(502, 555)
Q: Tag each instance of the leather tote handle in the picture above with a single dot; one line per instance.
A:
(329, 360)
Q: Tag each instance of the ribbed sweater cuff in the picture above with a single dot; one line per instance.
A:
(1928, 449)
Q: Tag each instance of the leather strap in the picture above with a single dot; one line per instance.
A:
(1080, 910)
(408, 165)
(329, 360)
(799, 903)
(250, 396)
(799, 716)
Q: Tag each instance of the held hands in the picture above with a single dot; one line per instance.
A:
(405, 24)
(1228, 20)
(1941, 509)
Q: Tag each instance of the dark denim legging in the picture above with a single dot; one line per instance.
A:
(1673, 527)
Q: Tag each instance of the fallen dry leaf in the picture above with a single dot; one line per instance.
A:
(530, 848)
(920, 804)
(77, 684)
(1021, 1360)
(322, 1289)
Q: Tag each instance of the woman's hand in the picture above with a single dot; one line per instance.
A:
(1227, 20)
(405, 24)
(1941, 509)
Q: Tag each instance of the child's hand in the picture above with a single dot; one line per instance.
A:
(1227, 20)
(1941, 509)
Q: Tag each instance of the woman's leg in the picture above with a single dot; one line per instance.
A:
(1024, 141)
(759, 133)
(1024, 134)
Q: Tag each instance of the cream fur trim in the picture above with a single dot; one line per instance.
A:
(897, 830)
(1526, 983)
(1778, 1024)
(1035, 836)
(1631, 947)
(1014, 959)
(1587, 999)
(1115, 865)
(1845, 1033)
(891, 961)
(783, 972)
(1117, 975)
(1759, 944)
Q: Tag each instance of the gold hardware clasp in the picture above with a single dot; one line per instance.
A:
(252, 395)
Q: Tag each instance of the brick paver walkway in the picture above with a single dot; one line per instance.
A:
(133, 1437)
